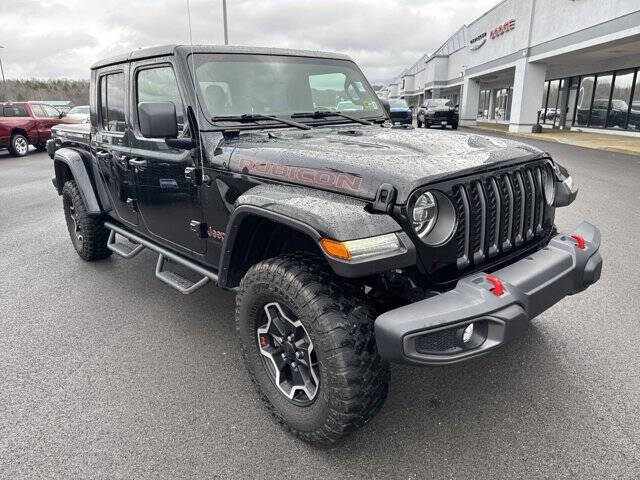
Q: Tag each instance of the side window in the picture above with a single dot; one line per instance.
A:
(15, 111)
(159, 85)
(50, 111)
(112, 102)
(37, 110)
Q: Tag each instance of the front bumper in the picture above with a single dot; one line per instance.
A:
(530, 286)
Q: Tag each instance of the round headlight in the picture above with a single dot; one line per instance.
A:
(548, 185)
(424, 214)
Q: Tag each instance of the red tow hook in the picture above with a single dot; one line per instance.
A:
(497, 289)
(580, 240)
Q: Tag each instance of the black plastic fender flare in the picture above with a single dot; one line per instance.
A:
(316, 214)
(73, 160)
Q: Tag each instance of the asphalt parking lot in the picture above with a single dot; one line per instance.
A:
(107, 373)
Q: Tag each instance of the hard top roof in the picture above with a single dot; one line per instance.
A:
(171, 50)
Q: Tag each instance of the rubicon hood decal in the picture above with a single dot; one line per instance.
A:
(357, 160)
(303, 175)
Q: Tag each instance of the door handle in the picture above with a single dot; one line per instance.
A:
(137, 163)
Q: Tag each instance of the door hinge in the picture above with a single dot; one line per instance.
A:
(199, 228)
(193, 175)
(132, 204)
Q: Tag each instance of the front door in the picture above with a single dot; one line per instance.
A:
(169, 203)
(111, 147)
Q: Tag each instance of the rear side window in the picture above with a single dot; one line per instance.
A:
(112, 102)
(160, 85)
(15, 111)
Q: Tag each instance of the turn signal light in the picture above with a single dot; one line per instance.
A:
(363, 248)
(335, 249)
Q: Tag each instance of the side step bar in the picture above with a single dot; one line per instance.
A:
(183, 285)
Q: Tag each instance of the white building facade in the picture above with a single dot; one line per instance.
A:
(560, 63)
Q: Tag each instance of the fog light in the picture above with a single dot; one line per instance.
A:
(467, 334)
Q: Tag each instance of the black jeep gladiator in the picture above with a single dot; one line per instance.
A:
(350, 244)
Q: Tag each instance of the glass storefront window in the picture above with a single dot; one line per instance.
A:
(620, 100)
(483, 104)
(634, 113)
(600, 103)
(543, 105)
(552, 102)
(585, 94)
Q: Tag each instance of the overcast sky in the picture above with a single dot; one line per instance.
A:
(62, 38)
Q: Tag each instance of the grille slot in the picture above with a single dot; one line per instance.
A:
(498, 213)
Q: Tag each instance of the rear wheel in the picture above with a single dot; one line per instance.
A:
(88, 233)
(454, 126)
(19, 145)
(308, 343)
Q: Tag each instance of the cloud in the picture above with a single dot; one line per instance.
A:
(62, 38)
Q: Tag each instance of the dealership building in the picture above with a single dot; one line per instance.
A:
(560, 63)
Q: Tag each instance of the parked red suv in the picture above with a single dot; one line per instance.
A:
(24, 123)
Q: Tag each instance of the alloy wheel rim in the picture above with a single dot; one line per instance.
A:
(21, 145)
(76, 226)
(288, 355)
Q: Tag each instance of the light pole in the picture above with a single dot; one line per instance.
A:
(224, 17)
(4, 82)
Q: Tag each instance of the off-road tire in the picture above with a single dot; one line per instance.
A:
(17, 145)
(353, 378)
(91, 229)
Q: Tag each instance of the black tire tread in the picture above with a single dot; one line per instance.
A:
(94, 233)
(359, 377)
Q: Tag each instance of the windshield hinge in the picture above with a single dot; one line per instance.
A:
(385, 196)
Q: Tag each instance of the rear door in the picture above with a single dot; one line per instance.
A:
(169, 203)
(41, 122)
(111, 143)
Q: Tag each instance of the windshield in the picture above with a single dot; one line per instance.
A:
(239, 84)
(440, 102)
(398, 103)
(79, 110)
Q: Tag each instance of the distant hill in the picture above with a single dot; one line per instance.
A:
(76, 91)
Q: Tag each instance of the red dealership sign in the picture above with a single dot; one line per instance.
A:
(505, 27)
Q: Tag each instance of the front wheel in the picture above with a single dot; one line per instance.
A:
(454, 126)
(307, 340)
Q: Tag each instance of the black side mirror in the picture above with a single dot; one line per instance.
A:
(158, 119)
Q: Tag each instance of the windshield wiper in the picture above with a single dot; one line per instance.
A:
(324, 114)
(252, 117)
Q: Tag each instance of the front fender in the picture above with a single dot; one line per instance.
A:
(331, 215)
(66, 159)
(317, 214)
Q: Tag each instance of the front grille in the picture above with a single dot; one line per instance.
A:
(441, 114)
(400, 116)
(499, 213)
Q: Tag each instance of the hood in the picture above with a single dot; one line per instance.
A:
(357, 160)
